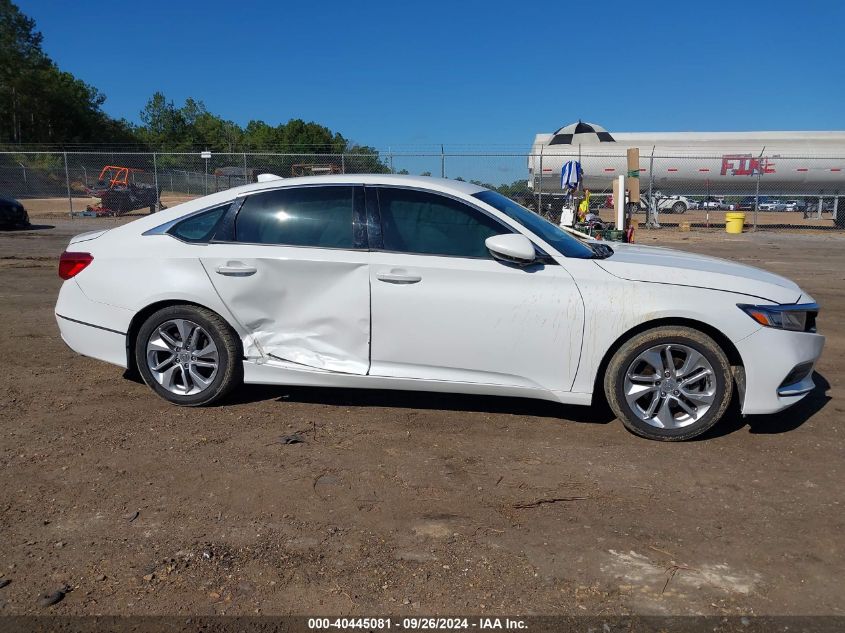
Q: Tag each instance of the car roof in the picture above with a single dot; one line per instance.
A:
(443, 185)
(426, 182)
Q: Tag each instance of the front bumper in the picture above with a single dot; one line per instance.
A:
(769, 356)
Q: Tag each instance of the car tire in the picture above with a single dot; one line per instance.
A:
(631, 399)
(194, 337)
(679, 207)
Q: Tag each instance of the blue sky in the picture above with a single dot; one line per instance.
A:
(486, 74)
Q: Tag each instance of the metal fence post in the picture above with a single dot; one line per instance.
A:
(155, 176)
(654, 221)
(67, 182)
(757, 193)
(442, 163)
(246, 177)
(540, 186)
(343, 163)
(390, 154)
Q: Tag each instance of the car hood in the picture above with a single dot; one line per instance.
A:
(668, 266)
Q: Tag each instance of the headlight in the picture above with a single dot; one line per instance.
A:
(798, 317)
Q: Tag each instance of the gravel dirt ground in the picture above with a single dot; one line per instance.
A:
(400, 503)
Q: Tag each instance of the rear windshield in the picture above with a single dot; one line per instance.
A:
(562, 241)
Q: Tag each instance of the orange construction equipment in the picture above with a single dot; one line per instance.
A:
(118, 193)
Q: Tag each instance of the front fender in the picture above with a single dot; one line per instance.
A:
(614, 307)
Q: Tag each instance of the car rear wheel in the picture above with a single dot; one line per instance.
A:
(679, 208)
(188, 355)
(669, 383)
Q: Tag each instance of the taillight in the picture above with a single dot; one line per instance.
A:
(71, 264)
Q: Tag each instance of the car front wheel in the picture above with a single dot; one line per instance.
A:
(188, 355)
(669, 383)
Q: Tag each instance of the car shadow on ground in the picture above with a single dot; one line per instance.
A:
(31, 227)
(599, 414)
(782, 422)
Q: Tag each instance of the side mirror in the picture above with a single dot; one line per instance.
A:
(511, 247)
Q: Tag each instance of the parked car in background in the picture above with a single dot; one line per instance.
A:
(667, 204)
(674, 204)
(713, 203)
(427, 284)
(772, 204)
(13, 215)
(748, 203)
(795, 205)
(827, 205)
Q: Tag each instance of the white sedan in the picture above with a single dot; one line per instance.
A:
(416, 283)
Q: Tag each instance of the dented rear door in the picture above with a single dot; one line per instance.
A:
(294, 273)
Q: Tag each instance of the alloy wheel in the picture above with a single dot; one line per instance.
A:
(182, 357)
(670, 386)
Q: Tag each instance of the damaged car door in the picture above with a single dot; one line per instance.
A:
(294, 273)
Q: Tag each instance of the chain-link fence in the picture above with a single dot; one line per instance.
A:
(697, 190)
(678, 189)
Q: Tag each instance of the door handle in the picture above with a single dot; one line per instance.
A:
(397, 278)
(236, 269)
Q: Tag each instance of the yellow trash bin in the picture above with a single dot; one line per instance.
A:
(734, 222)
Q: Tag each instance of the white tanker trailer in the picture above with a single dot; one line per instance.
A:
(694, 163)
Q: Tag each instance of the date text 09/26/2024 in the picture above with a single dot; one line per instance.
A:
(419, 623)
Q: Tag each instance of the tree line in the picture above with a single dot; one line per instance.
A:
(42, 105)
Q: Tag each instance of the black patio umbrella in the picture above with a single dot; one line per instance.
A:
(581, 133)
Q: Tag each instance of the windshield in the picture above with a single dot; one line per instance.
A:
(563, 242)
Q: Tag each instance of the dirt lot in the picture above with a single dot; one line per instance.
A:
(59, 208)
(406, 503)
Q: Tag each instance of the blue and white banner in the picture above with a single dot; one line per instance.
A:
(570, 175)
